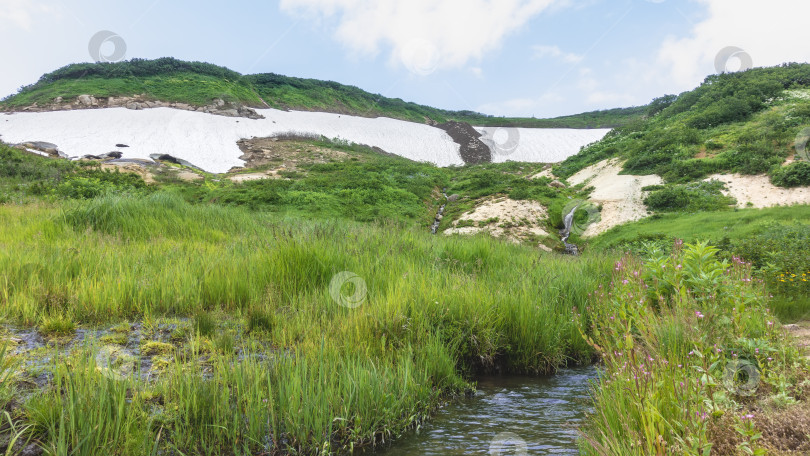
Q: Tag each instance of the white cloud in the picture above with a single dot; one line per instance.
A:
(771, 32)
(547, 102)
(21, 12)
(424, 35)
(541, 51)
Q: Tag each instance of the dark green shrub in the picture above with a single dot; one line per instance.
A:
(700, 196)
(793, 175)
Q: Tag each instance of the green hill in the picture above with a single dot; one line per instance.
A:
(197, 83)
(744, 122)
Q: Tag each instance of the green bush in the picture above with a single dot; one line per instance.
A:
(793, 175)
(701, 196)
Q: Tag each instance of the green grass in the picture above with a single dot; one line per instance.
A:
(339, 376)
(692, 358)
(197, 84)
(742, 122)
(732, 225)
(189, 88)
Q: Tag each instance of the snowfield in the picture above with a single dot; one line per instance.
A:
(209, 141)
(538, 145)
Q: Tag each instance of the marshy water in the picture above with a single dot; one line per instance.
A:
(508, 415)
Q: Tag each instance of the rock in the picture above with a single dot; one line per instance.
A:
(108, 156)
(471, 148)
(439, 217)
(453, 198)
(57, 100)
(571, 249)
(228, 113)
(42, 146)
(87, 100)
(556, 184)
(171, 159)
(219, 102)
(250, 113)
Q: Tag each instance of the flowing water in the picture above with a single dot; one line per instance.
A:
(507, 416)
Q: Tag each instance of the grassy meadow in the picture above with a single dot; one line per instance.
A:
(317, 315)
(267, 353)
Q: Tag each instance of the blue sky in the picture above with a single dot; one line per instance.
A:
(505, 57)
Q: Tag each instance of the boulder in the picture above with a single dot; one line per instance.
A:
(556, 184)
(453, 198)
(86, 101)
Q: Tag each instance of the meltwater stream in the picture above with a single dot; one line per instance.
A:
(543, 413)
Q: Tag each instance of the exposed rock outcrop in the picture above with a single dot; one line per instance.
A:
(42, 148)
(471, 148)
(217, 107)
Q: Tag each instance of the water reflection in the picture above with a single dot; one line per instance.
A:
(542, 412)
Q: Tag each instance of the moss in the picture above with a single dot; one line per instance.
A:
(151, 348)
(115, 338)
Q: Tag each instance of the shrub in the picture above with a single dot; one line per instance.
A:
(701, 196)
(793, 175)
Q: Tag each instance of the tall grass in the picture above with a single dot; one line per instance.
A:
(312, 374)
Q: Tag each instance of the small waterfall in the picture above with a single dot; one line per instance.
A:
(568, 221)
(435, 227)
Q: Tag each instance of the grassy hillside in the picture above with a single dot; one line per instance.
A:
(362, 186)
(743, 122)
(198, 84)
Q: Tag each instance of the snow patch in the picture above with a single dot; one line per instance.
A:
(209, 141)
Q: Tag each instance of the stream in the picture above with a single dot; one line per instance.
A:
(438, 220)
(568, 220)
(509, 415)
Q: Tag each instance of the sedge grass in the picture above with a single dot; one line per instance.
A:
(311, 375)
